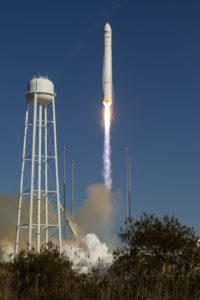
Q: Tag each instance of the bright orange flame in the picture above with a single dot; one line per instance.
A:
(107, 147)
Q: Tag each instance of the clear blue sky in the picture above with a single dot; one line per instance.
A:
(156, 75)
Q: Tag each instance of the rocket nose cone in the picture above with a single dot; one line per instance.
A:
(107, 27)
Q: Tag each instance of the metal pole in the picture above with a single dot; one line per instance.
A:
(32, 173)
(56, 170)
(22, 179)
(39, 177)
(72, 187)
(64, 187)
(129, 187)
(127, 183)
(46, 176)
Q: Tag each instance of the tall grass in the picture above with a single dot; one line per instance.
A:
(49, 276)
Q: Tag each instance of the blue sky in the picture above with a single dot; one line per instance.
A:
(156, 63)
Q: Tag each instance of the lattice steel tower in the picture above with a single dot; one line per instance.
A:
(38, 220)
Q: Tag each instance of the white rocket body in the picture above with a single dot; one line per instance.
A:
(107, 65)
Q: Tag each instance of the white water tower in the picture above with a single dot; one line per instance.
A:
(38, 220)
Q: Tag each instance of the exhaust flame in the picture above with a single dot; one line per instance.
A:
(107, 147)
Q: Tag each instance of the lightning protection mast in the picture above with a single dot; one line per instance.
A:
(128, 160)
(38, 220)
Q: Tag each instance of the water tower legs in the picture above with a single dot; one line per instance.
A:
(38, 220)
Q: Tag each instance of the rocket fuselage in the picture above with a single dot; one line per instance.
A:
(107, 65)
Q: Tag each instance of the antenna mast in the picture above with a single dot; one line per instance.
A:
(129, 187)
(64, 188)
(128, 161)
(72, 187)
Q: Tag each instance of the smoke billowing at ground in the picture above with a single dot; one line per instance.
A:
(107, 147)
(8, 219)
(98, 213)
(90, 253)
(95, 218)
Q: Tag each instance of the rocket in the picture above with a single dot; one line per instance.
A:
(107, 65)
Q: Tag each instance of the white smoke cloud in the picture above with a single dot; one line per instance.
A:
(97, 215)
(91, 253)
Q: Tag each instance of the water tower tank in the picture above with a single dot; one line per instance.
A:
(43, 87)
